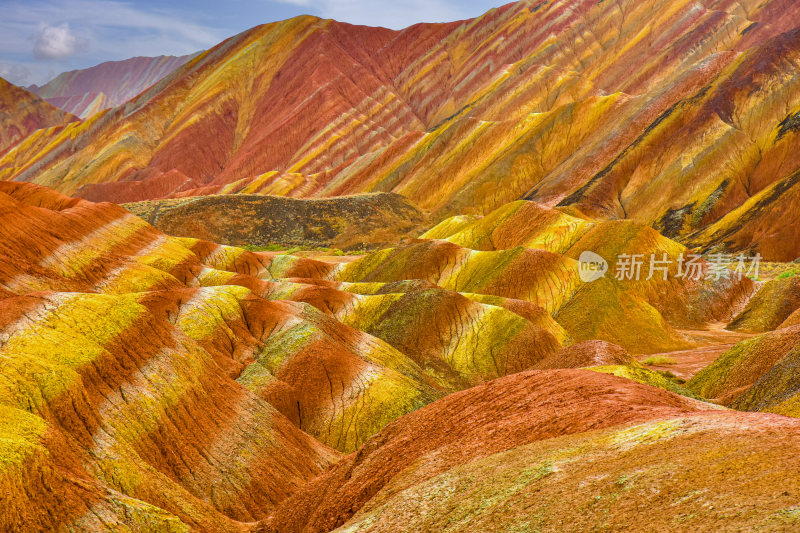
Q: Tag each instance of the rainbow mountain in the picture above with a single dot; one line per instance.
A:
(681, 115)
(168, 365)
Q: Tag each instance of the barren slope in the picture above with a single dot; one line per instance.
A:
(680, 115)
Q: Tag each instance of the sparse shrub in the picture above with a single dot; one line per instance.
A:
(261, 248)
(672, 377)
(660, 360)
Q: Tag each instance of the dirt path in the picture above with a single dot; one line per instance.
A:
(713, 343)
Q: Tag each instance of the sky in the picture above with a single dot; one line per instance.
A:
(39, 39)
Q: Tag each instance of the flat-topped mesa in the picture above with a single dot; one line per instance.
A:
(360, 222)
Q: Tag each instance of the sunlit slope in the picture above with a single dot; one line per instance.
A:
(252, 102)
(557, 450)
(184, 384)
(175, 384)
(673, 113)
(528, 252)
(758, 374)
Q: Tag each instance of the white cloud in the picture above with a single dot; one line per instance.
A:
(57, 42)
(45, 36)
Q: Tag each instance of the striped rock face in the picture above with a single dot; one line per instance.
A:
(559, 450)
(173, 384)
(758, 374)
(182, 384)
(471, 377)
(528, 252)
(680, 115)
(23, 113)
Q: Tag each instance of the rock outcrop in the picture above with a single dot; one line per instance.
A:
(363, 221)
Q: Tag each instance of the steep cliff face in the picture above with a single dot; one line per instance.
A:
(22, 113)
(675, 114)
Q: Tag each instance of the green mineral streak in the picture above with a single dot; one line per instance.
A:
(212, 277)
(769, 307)
(284, 290)
(598, 310)
(552, 231)
(280, 266)
(378, 399)
(363, 288)
(473, 343)
(224, 258)
(358, 270)
(285, 344)
(368, 311)
(450, 227)
(777, 390)
(545, 322)
(138, 278)
(256, 378)
(166, 256)
(480, 269)
(479, 350)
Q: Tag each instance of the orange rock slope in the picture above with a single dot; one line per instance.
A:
(563, 450)
(680, 115)
(468, 379)
(171, 384)
(22, 113)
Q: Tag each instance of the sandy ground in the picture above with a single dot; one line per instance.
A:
(715, 341)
